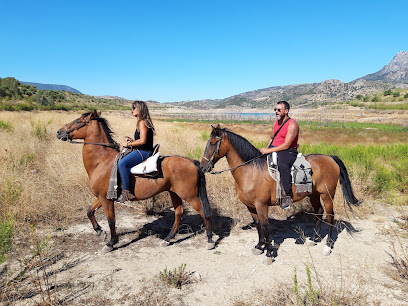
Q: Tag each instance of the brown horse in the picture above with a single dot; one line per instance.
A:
(257, 190)
(178, 175)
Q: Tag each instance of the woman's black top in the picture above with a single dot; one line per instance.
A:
(148, 145)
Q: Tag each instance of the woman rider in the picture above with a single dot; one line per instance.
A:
(142, 146)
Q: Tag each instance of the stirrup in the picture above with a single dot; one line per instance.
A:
(286, 202)
(125, 196)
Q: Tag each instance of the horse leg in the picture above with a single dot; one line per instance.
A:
(318, 211)
(178, 214)
(262, 210)
(91, 215)
(258, 249)
(196, 204)
(328, 205)
(109, 209)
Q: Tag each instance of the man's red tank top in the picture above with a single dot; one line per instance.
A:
(280, 137)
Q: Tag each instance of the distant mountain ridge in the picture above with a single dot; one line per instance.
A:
(393, 75)
(41, 86)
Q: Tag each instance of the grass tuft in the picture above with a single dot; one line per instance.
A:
(176, 278)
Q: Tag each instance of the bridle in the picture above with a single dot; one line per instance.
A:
(211, 159)
(77, 127)
(219, 138)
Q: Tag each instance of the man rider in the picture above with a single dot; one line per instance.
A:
(283, 140)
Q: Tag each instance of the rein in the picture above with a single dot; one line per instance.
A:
(112, 145)
(216, 151)
(247, 162)
(233, 168)
(67, 130)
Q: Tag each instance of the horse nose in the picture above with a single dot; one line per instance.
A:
(62, 135)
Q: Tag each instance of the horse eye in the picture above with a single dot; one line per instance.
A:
(77, 121)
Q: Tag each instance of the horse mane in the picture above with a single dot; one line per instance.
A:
(245, 149)
(106, 128)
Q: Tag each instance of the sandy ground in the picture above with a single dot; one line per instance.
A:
(359, 265)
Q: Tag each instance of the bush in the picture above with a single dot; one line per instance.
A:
(6, 235)
(177, 277)
(6, 126)
(388, 92)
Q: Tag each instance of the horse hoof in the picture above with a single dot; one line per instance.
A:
(164, 243)
(99, 232)
(310, 242)
(210, 245)
(268, 260)
(106, 249)
(327, 250)
(256, 251)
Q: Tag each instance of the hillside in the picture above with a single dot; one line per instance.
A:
(394, 75)
(15, 96)
(52, 87)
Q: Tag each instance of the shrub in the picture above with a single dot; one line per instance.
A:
(6, 126)
(388, 92)
(177, 277)
(6, 235)
(39, 129)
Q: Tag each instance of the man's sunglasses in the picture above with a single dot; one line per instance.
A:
(278, 109)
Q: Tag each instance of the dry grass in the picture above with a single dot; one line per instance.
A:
(43, 179)
(43, 182)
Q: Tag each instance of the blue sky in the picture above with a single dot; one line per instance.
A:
(188, 50)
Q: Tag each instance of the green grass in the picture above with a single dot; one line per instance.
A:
(6, 126)
(6, 235)
(386, 165)
(313, 125)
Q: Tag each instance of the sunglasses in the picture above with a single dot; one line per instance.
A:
(278, 109)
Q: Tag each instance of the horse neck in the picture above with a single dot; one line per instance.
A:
(235, 160)
(93, 155)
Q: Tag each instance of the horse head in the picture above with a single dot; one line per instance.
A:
(213, 150)
(75, 129)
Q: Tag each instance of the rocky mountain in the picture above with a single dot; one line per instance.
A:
(393, 75)
(52, 87)
(396, 72)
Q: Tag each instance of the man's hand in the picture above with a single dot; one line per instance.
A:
(265, 150)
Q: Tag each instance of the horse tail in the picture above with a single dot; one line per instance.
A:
(346, 184)
(202, 191)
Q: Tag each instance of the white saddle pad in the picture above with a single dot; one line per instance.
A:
(147, 166)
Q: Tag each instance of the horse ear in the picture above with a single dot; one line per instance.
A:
(217, 129)
(94, 114)
(99, 114)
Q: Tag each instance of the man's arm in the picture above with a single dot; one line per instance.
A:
(293, 131)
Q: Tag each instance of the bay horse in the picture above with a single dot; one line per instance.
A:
(257, 190)
(180, 176)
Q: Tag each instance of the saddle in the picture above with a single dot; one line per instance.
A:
(148, 167)
(301, 174)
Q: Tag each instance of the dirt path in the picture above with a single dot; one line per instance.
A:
(229, 273)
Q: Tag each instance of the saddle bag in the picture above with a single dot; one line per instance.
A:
(302, 174)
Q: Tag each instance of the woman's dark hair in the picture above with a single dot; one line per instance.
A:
(143, 113)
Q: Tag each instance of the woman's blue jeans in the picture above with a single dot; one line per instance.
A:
(129, 161)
